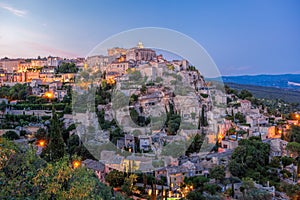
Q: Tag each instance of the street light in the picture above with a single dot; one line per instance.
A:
(49, 95)
(76, 164)
(41, 143)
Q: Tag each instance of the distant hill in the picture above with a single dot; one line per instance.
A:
(288, 95)
(283, 81)
(284, 86)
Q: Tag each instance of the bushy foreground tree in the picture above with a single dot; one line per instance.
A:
(24, 175)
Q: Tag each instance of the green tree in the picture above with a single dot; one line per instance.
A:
(143, 89)
(16, 92)
(115, 178)
(212, 188)
(11, 135)
(240, 117)
(293, 147)
(41, 134)
(16, 177)
(55, 148)
(195, 195)
(236, 169)
(7, 150)
(196, 144)
(173, 120)
(75, 147)
(251, 192)
(293, 191)
(17, 169)
(250, 159)
(286, 161)
(197, 182)
(245, 94)
(67, 68)
(3, 107)
(247, 185)
(59, 180)
(218, 173)
(133, 98)
(128, 186)
(203, 117)
(293, 135)
(275, 162)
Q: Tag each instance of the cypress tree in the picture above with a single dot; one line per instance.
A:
(55, 148)
(203, 118)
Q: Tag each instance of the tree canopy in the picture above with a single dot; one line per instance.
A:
(24, 175)
(115, 178)
(250, 158)
(55, 147)
(67, 68)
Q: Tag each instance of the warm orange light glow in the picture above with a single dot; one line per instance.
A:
(111, 81)
(280, 131)
(297, 116)
(76, 163)
(49, 95)
(220, 138)
(41, 143)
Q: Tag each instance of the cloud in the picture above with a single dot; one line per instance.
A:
(17, 12)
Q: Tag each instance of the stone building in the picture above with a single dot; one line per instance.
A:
(116, 51)
(99, 61)
(140, 53)
(9, 65)
(38, 63)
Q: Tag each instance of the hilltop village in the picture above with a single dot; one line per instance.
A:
(138, 126)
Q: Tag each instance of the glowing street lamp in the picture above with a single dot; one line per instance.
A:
(49, 95)
(76, 164)
(41, 143)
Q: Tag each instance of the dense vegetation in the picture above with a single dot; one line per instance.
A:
(250, 161)
(173, 120)
(67, 68)
(270, 93)
(16, 92)
(23, 175)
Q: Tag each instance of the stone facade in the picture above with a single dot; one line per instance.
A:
(140, 54)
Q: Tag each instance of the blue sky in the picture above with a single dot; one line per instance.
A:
(242, 37)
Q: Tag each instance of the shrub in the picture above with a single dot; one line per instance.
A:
(11, 135)
(23, 133)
